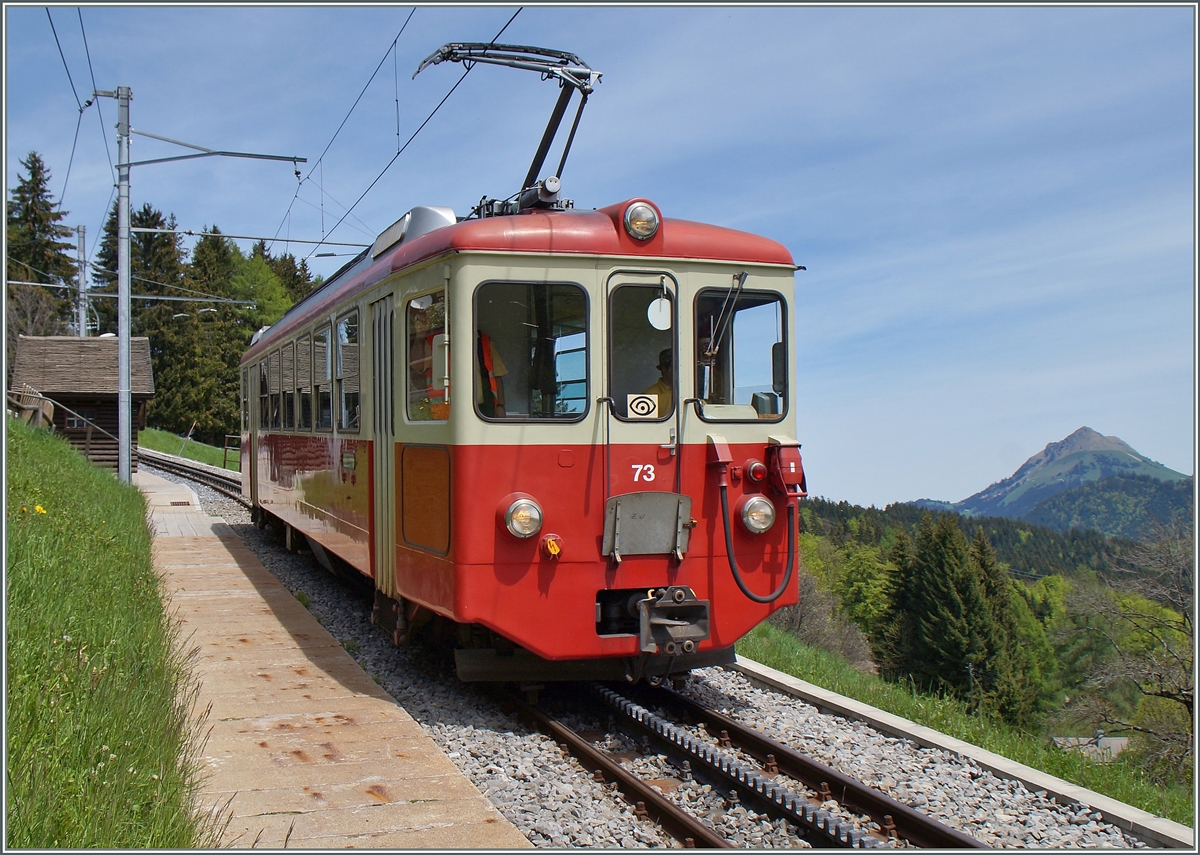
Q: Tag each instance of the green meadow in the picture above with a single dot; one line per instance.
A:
(101, 750)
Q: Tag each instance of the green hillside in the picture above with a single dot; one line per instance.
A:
(1030, 551)
(1123, 506)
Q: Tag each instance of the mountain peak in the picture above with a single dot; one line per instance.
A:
(1086, 439)
(1082, 457)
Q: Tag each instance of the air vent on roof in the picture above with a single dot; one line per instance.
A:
(416, 222)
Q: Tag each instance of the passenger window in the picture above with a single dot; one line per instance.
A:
(347, 372)
(245, 399)
(321, 373)
(741, 355)
(304, 392)
(289, 386)
(427, 358)
(264, 406)
(273, 378)
(642, 360)
(530, 351)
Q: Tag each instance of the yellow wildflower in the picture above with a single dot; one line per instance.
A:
(39, 509)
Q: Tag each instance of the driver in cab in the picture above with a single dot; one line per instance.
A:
(662, 386)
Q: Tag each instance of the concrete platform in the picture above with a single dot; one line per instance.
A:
(304, 749)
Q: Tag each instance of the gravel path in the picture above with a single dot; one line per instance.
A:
(556, 804)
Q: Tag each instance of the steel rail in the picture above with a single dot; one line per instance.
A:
(227, 485)
(817, 825)
(893, 816)
(681, 825)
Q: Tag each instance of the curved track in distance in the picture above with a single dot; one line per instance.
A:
(229, 484)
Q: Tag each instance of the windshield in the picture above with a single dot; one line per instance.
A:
(741, 355)
(531, 351)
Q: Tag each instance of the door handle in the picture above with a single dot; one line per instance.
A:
(672, 444)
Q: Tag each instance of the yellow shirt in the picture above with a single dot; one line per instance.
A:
(663, 390)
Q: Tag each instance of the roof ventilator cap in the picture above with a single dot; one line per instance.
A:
(418, 221)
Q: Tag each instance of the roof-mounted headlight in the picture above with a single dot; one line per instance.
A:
(641, 221)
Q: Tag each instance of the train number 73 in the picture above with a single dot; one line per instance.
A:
(643, 471)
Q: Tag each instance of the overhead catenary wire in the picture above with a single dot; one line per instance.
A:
(92, 73)
(418, 130)
(94, 293)
(391, 48)
(74, 92)
(103, 135)
(79, 104)
(366, 230)
(148, 297)
(70, 162)
(320, 159)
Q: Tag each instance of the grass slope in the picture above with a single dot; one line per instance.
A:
(1120, 780)
(169, 443)
(101, 753)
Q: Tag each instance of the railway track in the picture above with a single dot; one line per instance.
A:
(224, 482)
(751, 768)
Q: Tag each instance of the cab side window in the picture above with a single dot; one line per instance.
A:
(425, 322)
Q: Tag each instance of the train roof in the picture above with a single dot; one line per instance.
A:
(557, 232)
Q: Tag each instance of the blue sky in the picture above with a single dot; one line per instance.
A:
(996, 206)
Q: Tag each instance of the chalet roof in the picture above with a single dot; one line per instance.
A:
(60, 364)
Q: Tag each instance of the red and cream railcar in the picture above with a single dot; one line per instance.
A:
(565, 431)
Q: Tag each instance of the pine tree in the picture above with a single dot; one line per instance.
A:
(1011, 679)
(156, 267)
(196, 347)
(36, 253)
(937, 625)
(892, 640)
(296, 279)
(952, 615)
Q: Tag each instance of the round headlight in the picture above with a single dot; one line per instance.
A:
(758, 514)
(523, 518)
(641, 221)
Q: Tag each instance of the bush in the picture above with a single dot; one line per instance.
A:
(817, 620)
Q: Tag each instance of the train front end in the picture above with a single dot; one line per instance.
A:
(594, 469)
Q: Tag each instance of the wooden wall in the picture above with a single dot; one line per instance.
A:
(96, 446)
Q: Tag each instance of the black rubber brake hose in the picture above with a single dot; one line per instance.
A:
(737, 576)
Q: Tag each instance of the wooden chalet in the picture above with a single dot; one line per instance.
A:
(79, 376)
